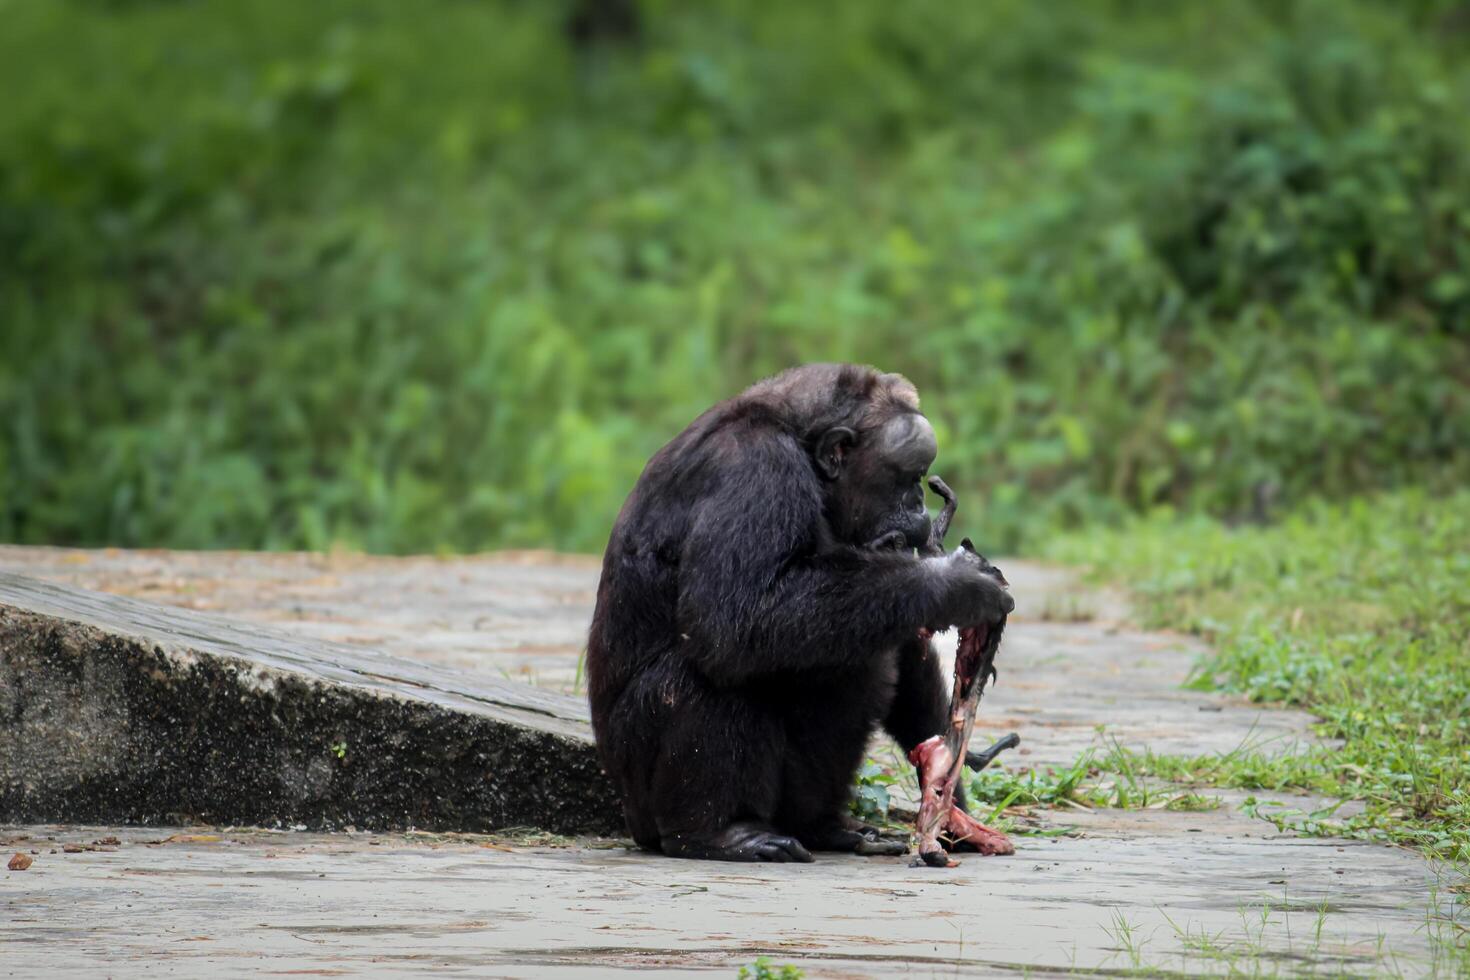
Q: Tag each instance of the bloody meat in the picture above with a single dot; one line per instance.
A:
(940, 759)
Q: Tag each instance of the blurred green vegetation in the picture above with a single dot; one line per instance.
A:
(414, 276)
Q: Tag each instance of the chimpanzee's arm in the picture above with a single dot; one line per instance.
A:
(763, 589)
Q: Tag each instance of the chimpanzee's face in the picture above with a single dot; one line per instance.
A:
(879, 489)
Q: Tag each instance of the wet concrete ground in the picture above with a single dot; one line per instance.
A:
(1155, 889)
(359, 905)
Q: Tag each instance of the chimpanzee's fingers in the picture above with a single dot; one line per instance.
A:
(1004, 601)
(796, 850)
(883, 847)
(998, 598)
(892, 541)
(979, 760)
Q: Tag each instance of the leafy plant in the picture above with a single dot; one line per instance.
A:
(870, 798)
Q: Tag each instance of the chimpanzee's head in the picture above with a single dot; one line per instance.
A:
(871, 448)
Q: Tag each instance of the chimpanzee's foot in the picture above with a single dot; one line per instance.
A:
(738, 842)
(854, 836)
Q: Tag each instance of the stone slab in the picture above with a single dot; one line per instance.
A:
(128, 711)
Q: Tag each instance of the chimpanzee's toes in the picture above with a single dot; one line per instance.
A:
(781, 849)
(741, 841)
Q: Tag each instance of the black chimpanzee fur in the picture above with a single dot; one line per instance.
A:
(748, 639)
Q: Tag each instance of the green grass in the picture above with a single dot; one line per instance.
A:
(1357, 612)
(999, 793)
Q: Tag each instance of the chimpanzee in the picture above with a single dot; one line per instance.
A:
(759, 616)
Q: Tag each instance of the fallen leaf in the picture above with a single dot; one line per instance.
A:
(19, 862)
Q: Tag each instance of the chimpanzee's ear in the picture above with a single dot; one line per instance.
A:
(832, 447)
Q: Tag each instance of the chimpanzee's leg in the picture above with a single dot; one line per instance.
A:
(717, 775)
(828, 726)
(921, 696)
(625, 742)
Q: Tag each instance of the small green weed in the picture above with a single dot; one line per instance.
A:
(1001, 787)
(1129, 939)
(762, 969)
(1193, 803)
(1113, 779)
(580, 678)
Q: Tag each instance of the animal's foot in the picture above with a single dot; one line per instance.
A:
(858, 838)
(738, 842)
(979, 760)
(933, 859)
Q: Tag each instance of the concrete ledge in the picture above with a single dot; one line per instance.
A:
(115, 710)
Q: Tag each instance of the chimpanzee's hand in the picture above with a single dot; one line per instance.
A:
(976, 594)
(985, 566)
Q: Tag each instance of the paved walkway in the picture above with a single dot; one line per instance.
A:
(1191, 892)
